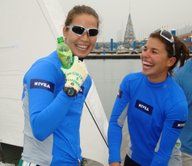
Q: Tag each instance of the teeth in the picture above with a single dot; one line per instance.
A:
(147, 63)
(82, 47)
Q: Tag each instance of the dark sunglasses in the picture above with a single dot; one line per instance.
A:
(167, 36)
(80, 30)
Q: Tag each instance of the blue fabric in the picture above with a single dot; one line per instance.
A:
(52, 111)
(183, 76)
(154, 110)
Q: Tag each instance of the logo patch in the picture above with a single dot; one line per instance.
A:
(178, 124)
(119, 94)
(144, 107)
(42, 84)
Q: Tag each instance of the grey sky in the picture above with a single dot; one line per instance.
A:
(147, 15)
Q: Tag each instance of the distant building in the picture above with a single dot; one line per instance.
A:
(129, 36)
(187, 39)
(185, 34)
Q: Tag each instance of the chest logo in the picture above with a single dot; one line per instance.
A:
(144, 107)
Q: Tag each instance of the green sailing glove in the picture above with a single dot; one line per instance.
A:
(76, 75)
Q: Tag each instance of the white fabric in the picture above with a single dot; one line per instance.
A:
(25, 163)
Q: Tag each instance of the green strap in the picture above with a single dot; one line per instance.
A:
(20, 162)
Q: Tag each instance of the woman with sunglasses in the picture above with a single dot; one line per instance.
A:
(157, 107)
(53, 99)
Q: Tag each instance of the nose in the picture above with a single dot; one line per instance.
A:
(85, 36)
(145, 53)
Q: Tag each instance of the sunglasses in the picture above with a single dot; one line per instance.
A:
(80, 30)
(169, 37)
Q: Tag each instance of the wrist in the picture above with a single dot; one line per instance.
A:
(70, 91)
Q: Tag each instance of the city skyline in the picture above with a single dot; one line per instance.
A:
(146, 15)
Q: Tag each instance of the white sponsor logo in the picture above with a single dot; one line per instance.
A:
(144, 107)
(42, 84)
(181, 125)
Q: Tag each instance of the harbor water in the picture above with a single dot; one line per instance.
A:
(107, 75)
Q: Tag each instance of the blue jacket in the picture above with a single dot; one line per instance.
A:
(183, 77)
(52, 111)
(156, 113)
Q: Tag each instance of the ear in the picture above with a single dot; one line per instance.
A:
(171, 61)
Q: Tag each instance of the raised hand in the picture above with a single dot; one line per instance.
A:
(76, 75)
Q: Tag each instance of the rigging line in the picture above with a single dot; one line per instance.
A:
(46, 18)
(7, 75)
(10, 98)
(96, 124)
(11, 71)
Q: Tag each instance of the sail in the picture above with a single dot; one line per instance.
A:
(29, 29)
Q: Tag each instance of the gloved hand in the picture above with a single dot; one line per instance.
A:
(76, 75)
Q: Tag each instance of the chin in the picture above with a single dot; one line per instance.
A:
(145, 73)
(81, 54)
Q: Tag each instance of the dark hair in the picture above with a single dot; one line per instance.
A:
(81, 9)
(181, 51)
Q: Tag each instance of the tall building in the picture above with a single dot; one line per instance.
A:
(129, 36)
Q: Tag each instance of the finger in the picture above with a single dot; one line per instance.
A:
(76, 59)
(63, 70)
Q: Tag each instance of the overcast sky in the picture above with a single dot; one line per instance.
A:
(147, 15)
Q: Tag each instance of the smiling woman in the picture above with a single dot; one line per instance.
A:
(41, 17)
(157, 108)
(80, 31)
(52, 114)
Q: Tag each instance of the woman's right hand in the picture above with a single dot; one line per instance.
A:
(76, 75)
